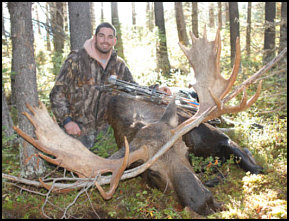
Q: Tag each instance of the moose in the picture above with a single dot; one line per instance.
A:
(155, 139)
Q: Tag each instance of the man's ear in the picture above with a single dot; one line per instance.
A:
(115, 40)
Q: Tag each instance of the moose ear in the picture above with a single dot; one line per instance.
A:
(170, 116)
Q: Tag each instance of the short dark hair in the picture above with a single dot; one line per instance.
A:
(105, 25)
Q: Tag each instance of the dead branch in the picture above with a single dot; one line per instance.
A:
(85, 188)
(273, 111)
(257, 75)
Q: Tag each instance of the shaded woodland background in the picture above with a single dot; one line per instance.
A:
(36, 39)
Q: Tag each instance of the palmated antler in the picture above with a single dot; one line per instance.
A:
(211, 87)
(71, 154)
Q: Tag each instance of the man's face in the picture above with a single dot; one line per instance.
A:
(105, 40)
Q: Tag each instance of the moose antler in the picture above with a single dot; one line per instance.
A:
(71, 154)
(211, 87)
(204, 57)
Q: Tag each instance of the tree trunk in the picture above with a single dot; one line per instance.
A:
(92, 17)
(3, 28)
(80, 24)
(234, 28)
(163, 64)
(37, 18)
(57, 27)
(181, 25)
(283, 27)
(56, 9)
(133, 14)
(248, 30)
(65, 17)
(12, 100)
(12, 75)
(220, 15)
(6, 120)
(25, 80)
(13, 89)
(227, 13)
(269, 36)
(211, 15)
(48, 45)
(115, 22)
(101, 13)
(149, 16)
(195, 20)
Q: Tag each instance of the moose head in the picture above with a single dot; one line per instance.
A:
(154, 133)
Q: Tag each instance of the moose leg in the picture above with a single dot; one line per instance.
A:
(244, 158)
(207, 140)
(190, 190)
(186, 185)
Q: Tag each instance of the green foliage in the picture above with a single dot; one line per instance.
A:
(206, 168)
(105, 146)
(57, 61)
(10, 155)
(41, 59)
(5, 138)
(5, 76)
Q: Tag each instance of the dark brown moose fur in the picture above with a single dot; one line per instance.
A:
(146, 123)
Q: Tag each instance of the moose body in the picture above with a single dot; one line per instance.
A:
(146, 123)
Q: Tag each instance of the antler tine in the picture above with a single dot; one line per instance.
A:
(30, 108)
(244, 104)
(30, 118)
(193, 37)
(218, 47)
(32, 141)
(41, 105)
(254, 98)
(115, 176)
(186, 50)
(235, 70)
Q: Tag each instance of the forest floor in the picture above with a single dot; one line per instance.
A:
(242, 194)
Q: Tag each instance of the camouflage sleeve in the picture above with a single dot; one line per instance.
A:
(123, 72)
(128, 76)
(59, 93)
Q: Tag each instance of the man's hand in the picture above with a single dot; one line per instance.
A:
(166, 89)
(72, 128)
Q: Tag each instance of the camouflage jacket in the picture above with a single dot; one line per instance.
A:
(74, 94)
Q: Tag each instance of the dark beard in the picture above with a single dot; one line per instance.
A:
(99, 49)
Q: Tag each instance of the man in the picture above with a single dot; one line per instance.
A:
(75, 102)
